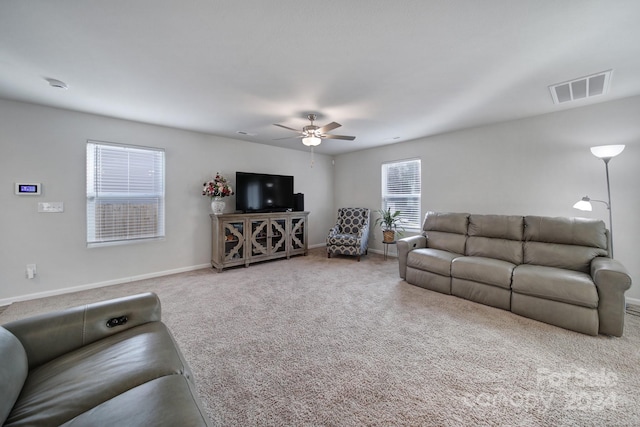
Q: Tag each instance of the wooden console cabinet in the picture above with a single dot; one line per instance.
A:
(240, 239)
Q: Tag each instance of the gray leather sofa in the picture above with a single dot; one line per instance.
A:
(112, 363)
(555, 270)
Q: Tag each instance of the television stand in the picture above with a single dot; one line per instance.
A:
(263, 211)
(245, 238)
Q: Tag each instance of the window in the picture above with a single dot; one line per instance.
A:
(401, 190)
(125, 193)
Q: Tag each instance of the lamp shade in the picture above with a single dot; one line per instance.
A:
(584, 204)
(607, 151)
(311, 141)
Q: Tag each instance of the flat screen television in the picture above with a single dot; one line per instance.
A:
(259, 192)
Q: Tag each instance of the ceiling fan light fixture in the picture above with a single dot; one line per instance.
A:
(313, 135)
(311, 141)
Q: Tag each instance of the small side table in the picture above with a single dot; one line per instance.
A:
(386, 248)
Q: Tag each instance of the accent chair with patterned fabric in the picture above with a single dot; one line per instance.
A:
(350, 235)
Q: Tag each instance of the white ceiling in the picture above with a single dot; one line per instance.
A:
(388, 71)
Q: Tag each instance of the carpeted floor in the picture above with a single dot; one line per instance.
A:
(313, 341)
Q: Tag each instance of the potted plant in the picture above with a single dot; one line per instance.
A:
(390, 224)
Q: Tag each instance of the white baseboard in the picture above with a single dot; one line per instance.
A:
(319, 245)
(634, 301)
(88, 286)
(375, 251)
(390, 254)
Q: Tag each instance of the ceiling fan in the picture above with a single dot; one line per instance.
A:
(313, 135)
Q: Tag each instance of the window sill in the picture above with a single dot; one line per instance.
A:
(122, 242)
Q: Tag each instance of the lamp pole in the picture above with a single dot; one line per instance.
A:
(606, 153)
(606, 167)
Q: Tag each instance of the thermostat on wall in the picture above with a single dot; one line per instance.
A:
(28, 189)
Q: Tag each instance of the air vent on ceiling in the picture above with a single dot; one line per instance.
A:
(584, 87)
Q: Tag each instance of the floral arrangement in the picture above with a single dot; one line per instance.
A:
(219, 187)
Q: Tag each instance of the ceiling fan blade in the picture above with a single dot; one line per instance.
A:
(349, 138)
(287, 127)
(288, 137)
(330, 126)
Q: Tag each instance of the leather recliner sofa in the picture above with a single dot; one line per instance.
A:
(552, 269)
(104, 364)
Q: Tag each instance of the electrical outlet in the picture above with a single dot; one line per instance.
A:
(31, 271)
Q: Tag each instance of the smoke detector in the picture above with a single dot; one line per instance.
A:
(584, 87)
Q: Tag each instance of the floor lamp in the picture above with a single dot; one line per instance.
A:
(606, 153)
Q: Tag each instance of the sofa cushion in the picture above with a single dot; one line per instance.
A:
(484, 270)
(343, 240)
(502, 249)
(568, 231)
(495, 236)
(446, 231)
(166, 401)
(569, 316)
(496, 226)
(569, 257)
(450, 242)
(429, 280)
(433, 260)
(494, 296)
(351, 220)
(555, 284)
(80, 380)
(13, 371)
(446, 221)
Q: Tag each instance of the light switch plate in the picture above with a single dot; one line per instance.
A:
(51, 207)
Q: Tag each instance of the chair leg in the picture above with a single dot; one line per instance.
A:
(328, 254)
(358, 258)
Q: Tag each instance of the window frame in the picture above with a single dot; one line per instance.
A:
(409, 221)
(134, 202)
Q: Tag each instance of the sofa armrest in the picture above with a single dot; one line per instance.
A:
(50, 335)
(612, 280)
(406, 245)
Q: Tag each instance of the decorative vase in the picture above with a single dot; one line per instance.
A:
(388, 236)
(217, 205)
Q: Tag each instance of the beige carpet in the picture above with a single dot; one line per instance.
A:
(313, 341)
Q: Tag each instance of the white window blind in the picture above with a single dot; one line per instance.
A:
(401, 191)
(125, 193)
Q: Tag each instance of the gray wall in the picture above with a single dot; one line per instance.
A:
(534, 166)
(539, 166)
(47, 145)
